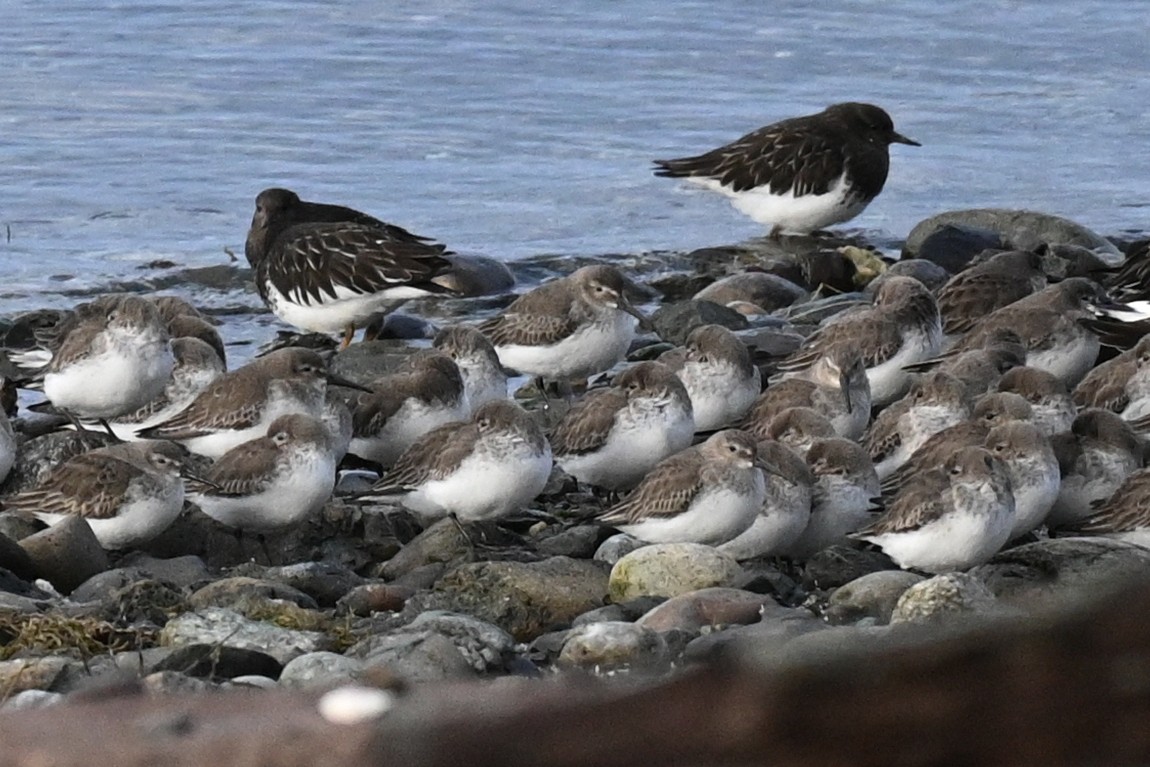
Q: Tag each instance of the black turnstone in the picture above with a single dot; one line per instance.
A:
(801, 174)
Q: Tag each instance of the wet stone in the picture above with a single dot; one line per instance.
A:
(671, 569)
(66, 554)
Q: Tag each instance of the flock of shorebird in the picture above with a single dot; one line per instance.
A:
(937, 426)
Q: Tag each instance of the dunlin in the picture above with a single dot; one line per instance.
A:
(327, 268)
(948, 518)
(795, 427)
(835, 386)
(1094, 458)
(980, 369)
(845, 490)
(708, 494)
(900, 329)
(716, 368)
(800, 174)
(1120, 385)
(484, 379)
(568, 328)
(8, 445)
(240, 405)
(786, 509)
(612, 437)
(1033, 470)
(111, 361)
(404, 406)
(934, 402)
(128, 493)
(1050, 325)
(987, 285)
(486, 468)
(1124, 515)
(1048, 396)
(272, 481)
(184, 320)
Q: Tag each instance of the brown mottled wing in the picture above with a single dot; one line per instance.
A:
(308, 262)
(967, 298)
(1067, 450)
(788, 393)
(919, 503)
(936, 450)
(371, 412)
(1126, 510)
(243, 470)
(1104, 387)
(880, 341)
(789, 156)
(76, 345)
(215, 409)
(883, 437)
(543, 316)
(433, 456)
(668, 489)
(586, 425)
(90, 485)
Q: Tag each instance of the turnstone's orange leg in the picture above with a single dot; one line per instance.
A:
(348, 336)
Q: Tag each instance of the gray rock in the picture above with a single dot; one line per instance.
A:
(1055, 570)
(674, 322)
(173, 682)
(325, 582)
(871, 596)
(955, 247)
(671, 569)
(777, 341)
(66, 554)
(473, 275)
(840, 564)
(368, 360)
(1019, 229)
(483, 645)
(239, 592)
(944, 598)
(441, 542)
(767, 292)
(706, 608)
(616, 547)
(216, 625)
(16, 527)
(320, 669)
(579, 542)
(813, 648)
(29, 700)
(631, 610)
(524, 599)
(396, 325)
(184, 571)
(612, 645)
(249, 682)
(927, 272)
(31, 673)
(775, 629)
(14, 559)
(218, 662)
(813, 312)
(415, 656)
(372, 598)
(40, 455)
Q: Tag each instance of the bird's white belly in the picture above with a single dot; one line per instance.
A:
(333, 315)
(802, 214)
(631, 451)
(297, 492)
(112, 383)
(591, 349)
(484, 487)
(714, 517)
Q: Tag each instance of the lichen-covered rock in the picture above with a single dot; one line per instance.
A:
(671, 569)
(870, 596)
(239, 592)
(321, 669)
(414, 655)
(612, 645)
(31, 674)
(216, 625)
(944, 598)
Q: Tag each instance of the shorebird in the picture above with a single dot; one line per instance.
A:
(987, 285)
(569, 328)
(934, 402)
(240, 405)
(484, 379)
(1094, 458)
(786, 508)
(1033, 470)
(1049, 398)
(404, 406)
(273, 481)
(114, 359)
(795, 427)
(612, 437)
(485, 468)
(708, 493)
(716, 368)
(901, 328)
(327, 268)
(836, 386)
(1120, 385)
(948, 518)
(801, 174)
(1124, 515)
(127, 493)
(980, 369)
(844, 496)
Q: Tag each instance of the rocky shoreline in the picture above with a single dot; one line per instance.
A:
(360, 594)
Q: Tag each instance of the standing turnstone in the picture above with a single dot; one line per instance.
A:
(404, 406)
(113, 360)
(843, 501)
(948, 518)
(900, 329)
(326, 268)
(836, 386)
(128, 493)
(934, 402)
(1048, 396)
(1033, 470)
(708, 494)
(485, 468)
(484, 379)
(568, 328)
(987, 285)
(801, 174)
(271, 481)
(241, 405)
(786, 508)
(1050, 325)
(1094, 458)
(612, 437)
(716, 368)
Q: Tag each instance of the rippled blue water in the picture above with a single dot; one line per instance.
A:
(140, 130)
